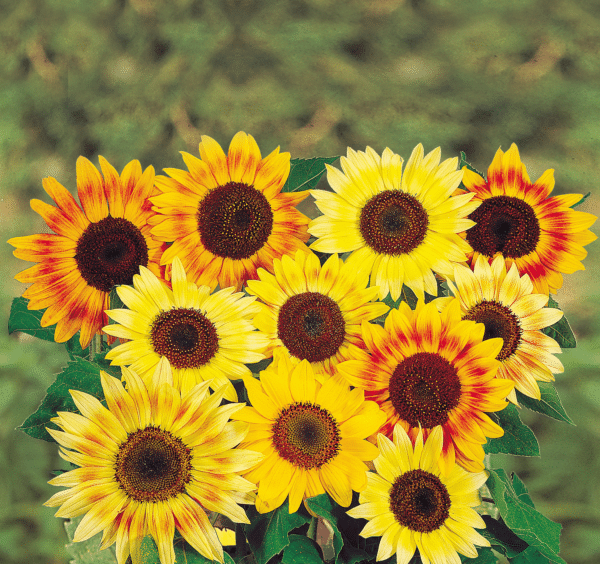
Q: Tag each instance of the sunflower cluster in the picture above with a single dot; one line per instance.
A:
(218, 270)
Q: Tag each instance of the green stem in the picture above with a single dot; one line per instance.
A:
(312, 528)
(95, 346)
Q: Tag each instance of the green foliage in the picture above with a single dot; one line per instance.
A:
(301, 550)
(79, 374)
(583, 199)
(306, 173)
(549, 404)
(561, 331)
(530, 556)
(463, 162)
(484, 556)
(86, 552)
(514, 504)
(518, 438)
(267, 533)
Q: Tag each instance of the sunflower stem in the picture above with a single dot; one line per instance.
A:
(95, 346)
(312, 529)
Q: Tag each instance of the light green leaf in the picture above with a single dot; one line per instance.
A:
(561, 331)
(527, 523)
(518, 438)
(306, 173)
(549, 404)
(87, 552)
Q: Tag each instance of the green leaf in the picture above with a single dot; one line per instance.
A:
(79, 374)
(561, 331)
(485, 555)
(301, 550)
(29, 321)
(406, 295)
(463, 162)
(549, 404)
(306, 173)
(527, 523)
(530, 555)
(518, 438)
(583, 199)
(502, 539)
(87, 552)
(267, 533)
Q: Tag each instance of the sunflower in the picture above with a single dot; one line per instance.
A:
(155, 460)
(314, 312)
(543, 236)
(411, 504)
(227, 215)
(92, 251)
(427, 369)
(311, 435)
(204, 336)
(505, 304)
(401, 227)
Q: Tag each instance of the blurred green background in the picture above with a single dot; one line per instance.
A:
(144, 79)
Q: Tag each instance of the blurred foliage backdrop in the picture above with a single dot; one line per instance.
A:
(144, 79)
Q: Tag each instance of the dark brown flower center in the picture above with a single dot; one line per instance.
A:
(423, 389)
(185, 336)
(311, 326)
(499, 321)
(505, 225)
(234, 221)
(420, 501)
(110, 252)
(306, 435)
(153, 465)
(393, 223)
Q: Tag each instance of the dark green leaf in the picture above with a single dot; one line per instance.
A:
(521, 490)
(549, 404)
(87, 552)
(407, 295)
(115, 301)
(561, 331)
(463, 162)
(530, 555)
(527, 523)
(301, 550)
(306, 173)
(79, 374)
(267, 533)
(518, 438)
(184, 553)
(583, 199)
(257, 367)
(323, 506)
(485, 555)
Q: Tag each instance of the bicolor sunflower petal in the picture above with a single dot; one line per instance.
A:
(92, 250)
(312, 435)
(227, 216)
(519, 220)
(412, 505)
(152, 475)
(314, 312)
(401, 228)
(204, 336)
(503, 302)
(427, 369)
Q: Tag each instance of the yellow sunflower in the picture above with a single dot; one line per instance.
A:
(204, 336)
(155, 460)
(227, 216)
(312, 435)
(543, 236)
(411, 504)
(401, 227)
(505, 304)
(92, 251)
(313, 312)
(427, 369)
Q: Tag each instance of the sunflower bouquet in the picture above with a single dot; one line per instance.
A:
(251, 385)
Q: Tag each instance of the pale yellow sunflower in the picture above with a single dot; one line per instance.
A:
(93, 250)
(227, 216)
(427, 369)
(505, 304)
(543, 236)
(411, 505)
(402, 228)
(156, 460)
(312, 435)
(204, 336)
(315, 312)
